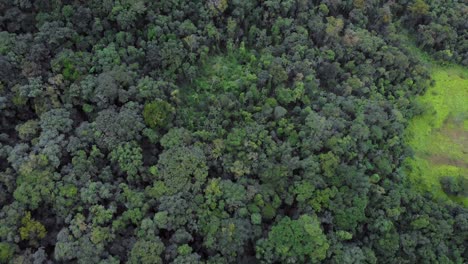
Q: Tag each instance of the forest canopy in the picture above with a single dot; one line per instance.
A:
(221, 131)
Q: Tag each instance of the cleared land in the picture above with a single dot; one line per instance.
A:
(439, 137)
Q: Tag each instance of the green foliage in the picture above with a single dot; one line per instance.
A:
(158, 114)
(233, 131)
(6, 41)
(6, 252)
(28, 130)
(56, 120)
(184, 250)
(348, 218)
(329, 164)
(343, 235)
(157, 190)
(146, 252)
(101, 215)
(419, 7)
(161, 219)
(321, 198)
(106, 59)
(71, 65)
(256, 218)
(101, 235)
(176, 137)
(183, 168)
(300, 240)
(35, 183)
(31, 230)
(129, 157)
(218, 6)
(113, 127)
(125, 13)
(457, 186)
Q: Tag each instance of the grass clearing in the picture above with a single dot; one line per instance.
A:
(439, 137)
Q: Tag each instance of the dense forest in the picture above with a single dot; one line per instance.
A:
(221, 131)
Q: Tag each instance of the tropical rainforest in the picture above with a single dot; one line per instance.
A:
(233, 131)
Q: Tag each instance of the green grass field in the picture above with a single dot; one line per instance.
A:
(439, 137)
